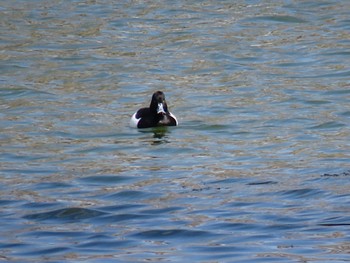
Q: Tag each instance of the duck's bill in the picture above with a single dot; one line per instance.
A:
(160, 108)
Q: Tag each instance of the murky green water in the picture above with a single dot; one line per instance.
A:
(257, 171)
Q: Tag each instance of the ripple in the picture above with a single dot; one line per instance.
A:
(347, 173)
(302, 193)
(281, 19)
(166, 234)
(130, 218)
(130, 195)
(235, 226)
(52, 185)
(346, 113)
(65, 215)
(57, 234)
(47, 251)
(104, 245)
(105, 179)
(118, 208)
(336, 221)
(328, 125)
(263, 183)
(317, 102)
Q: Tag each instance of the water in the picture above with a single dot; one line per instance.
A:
(257, 171)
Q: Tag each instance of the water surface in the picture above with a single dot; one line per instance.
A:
(257, 171)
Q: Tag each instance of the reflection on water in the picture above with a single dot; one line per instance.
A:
(257, 170)
(159, 134)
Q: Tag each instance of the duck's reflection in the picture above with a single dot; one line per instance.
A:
(160, 134)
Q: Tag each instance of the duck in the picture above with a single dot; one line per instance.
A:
(156, 115)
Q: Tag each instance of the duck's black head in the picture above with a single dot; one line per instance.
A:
(158, 104)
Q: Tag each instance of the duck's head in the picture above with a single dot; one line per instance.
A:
(158, 104)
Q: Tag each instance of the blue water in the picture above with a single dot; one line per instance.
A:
(257, 171)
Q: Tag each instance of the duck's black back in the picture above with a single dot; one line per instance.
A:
(147, 119)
